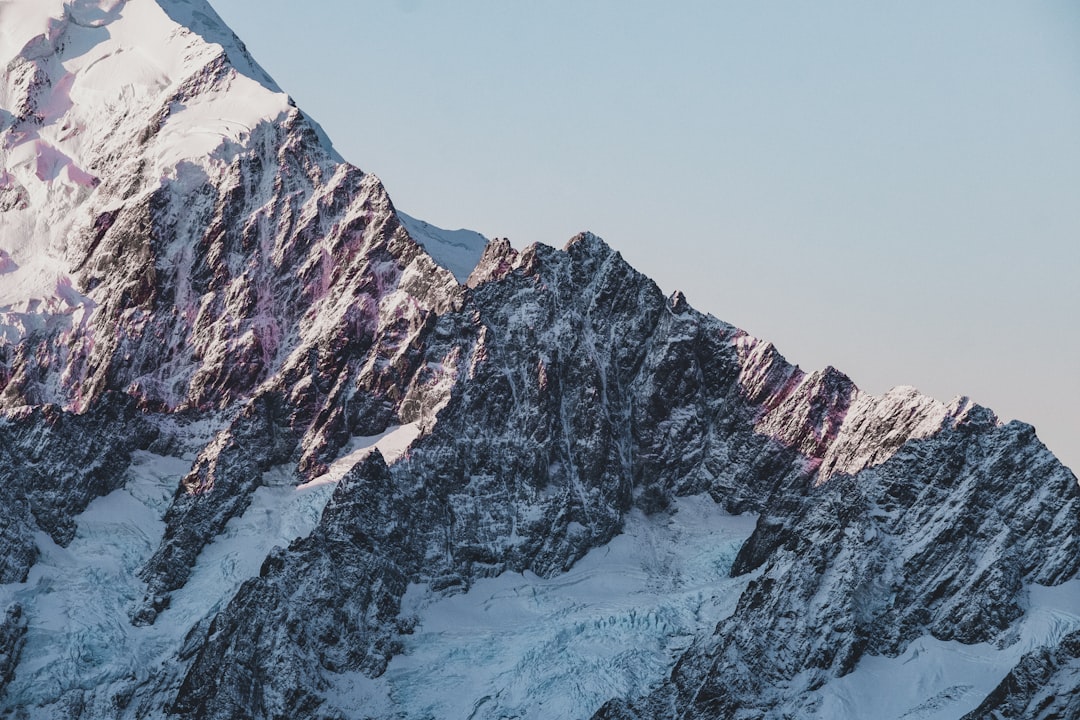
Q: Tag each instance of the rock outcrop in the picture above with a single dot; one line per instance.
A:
(306, 413)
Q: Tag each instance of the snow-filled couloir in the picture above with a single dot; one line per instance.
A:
(271, 448)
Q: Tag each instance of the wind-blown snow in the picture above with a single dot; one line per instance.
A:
(521, 646)
(458, 251)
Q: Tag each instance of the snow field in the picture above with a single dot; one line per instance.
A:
(77, 598)
(106, 62)
(458, 251)
(526, 647)
(938, 680)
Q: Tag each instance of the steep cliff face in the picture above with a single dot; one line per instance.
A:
(587, 396)
(941, 540)
(1042, 685)
(221, 260)
(266, 442)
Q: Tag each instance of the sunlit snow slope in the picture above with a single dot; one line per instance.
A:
(108, 104)
(81, 77)
(456, 250)
(270, 448)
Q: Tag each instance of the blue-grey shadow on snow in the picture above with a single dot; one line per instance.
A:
(200, 18)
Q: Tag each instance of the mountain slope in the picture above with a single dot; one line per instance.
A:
(268, 442)
(456, 250)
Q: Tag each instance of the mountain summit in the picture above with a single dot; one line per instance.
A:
(270, 448)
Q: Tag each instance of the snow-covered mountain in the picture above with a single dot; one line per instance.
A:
(271, 448)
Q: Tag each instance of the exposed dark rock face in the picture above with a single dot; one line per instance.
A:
(254, 311)
(12, 637)
(937, 540)
(532, 462)
(1042, 685)
(355, 376)
(586, 388)
(54, 462)
(330, 601)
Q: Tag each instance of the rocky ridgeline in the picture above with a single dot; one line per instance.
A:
(583, 393)
(267, 294)
(937, 540)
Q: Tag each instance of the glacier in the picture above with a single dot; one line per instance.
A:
(270, 447)
(518, 645)
(939, 680)
(78, 597)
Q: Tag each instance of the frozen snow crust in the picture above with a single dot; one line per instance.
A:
(270, 448)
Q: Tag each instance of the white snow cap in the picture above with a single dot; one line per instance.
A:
(458, 251)
(83, 78)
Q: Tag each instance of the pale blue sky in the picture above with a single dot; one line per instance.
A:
(890, 188)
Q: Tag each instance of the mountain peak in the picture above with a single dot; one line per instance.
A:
(246, 401)
(201, 19)
(105, 100)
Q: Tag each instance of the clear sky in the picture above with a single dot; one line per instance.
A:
(889, 188)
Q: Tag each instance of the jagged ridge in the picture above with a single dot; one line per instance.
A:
(190, 270)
